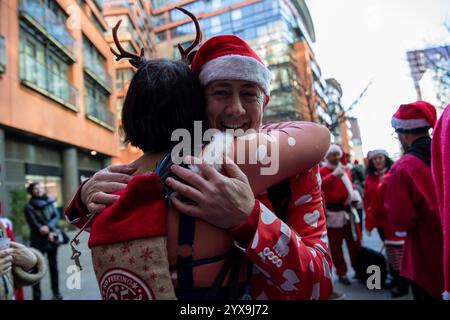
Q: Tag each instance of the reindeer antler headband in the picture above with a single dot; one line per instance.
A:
(137, 60)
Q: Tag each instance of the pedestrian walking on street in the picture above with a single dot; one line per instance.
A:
(410, 200)
(42, 217)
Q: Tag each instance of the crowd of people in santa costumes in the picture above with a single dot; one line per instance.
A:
(341, 199)
(411, 204)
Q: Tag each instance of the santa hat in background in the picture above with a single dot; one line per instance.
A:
(373, 153)
(228, 57)
(335, 148)
(414, 117)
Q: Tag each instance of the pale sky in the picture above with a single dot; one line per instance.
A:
(360, 40)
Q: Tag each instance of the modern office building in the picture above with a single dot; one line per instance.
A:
(431, 76)
(335, 118)
(57, 99)
(281, 32)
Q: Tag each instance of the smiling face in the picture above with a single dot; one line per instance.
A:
(234, 104)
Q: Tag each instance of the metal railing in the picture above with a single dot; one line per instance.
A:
(42, 78)
(2, 54)
(100, 112)
(51, 23)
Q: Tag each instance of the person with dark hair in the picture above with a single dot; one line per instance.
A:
(378, 167)
(42, 217)
(225, 207)
(411, 204)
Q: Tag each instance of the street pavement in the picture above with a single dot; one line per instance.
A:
(88, 289)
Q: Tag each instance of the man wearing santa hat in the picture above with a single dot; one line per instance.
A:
(342, 220)
(410, 200)
(441, 175)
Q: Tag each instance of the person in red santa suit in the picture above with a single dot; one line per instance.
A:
(440, 159)
(342, 220)
(410, 201)
(378, 167)
(288, 255)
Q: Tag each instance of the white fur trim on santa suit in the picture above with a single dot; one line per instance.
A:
(236, 67)
(409, 124)
(446, 295)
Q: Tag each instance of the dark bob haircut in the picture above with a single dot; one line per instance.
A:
(371, 167)
(164, 95)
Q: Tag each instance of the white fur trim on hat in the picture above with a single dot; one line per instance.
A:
(334, 148)
(373, 153)
(409, 124)
(236, 67)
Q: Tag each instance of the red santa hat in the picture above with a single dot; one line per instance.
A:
(228, 57)
(373, 153)
(414, 117)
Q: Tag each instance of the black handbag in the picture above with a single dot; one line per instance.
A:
(368, 257)
(61, 237)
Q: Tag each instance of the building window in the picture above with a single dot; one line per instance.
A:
(44, 71)
(182, 30)
(49, 19)
(94, 65)
(159, 20)
(160, 37)
(98, 24)
(123, 78)
(96, 104)
(2, 54)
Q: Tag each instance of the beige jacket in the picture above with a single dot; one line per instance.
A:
(18, 277)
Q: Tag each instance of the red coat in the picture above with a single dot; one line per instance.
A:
(333, 188)
(410, 200)
(376, 214)
(441, 174)
(291, 261)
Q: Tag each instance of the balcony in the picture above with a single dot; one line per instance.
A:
(49, 25)
(2, 54)
(320, 92)
(99, 113)
(98, 73)
(42, 79)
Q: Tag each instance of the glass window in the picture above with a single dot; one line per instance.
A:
(236, 14)
(160, 36)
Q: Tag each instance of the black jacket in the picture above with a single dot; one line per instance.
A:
(41, 212)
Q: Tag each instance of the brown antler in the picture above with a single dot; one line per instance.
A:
(135, 60)
(198, 38)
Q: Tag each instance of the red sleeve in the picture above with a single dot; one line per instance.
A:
(327, 179)
(283, 253)
(76, 212)
(397, 199)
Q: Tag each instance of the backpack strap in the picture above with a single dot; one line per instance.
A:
(186, 233)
